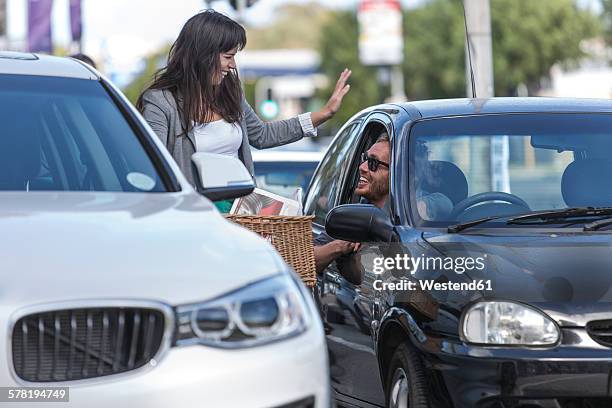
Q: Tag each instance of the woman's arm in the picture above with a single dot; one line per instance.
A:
(263, 135)
(156, 117)
(269, 134)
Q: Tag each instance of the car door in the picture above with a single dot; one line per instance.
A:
(348, 306)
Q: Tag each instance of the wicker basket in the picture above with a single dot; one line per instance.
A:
(290, 235)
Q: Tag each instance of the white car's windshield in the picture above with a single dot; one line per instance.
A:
(67, 134)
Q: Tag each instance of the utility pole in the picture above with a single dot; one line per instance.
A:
(478, 22)
(241, 6)
(3, 30)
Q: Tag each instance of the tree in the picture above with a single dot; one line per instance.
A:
(295, 26)
(529, 37)
(338, 50)
(153, 63)
(606, 17)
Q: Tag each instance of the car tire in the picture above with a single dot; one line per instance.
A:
(406, 382)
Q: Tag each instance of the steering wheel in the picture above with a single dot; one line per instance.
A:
(484, 197)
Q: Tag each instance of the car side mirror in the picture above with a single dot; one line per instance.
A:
(359, 223)
(220, 177)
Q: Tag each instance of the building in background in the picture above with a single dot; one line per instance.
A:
(591, 79)
(285, 81)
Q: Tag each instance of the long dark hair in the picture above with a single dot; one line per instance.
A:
(193, 62)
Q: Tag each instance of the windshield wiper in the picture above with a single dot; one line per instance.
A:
(468, 224)
(595, 225)
(544, 217)
(548, 215)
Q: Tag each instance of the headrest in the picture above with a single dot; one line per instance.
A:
(446, 178)
(587, 183)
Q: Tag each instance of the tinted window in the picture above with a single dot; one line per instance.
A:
(541, 161)
(67, 134)
(284, 178)
(326, 183)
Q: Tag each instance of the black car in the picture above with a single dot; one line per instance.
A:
(502, 300)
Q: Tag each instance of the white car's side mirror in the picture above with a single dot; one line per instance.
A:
(220, 177)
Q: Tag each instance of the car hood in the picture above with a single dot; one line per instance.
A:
(569, 275)
(174, 248)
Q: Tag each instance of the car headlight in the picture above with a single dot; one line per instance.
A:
(508, 323)
(265, 311)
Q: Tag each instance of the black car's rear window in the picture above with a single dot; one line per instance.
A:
(67, 134)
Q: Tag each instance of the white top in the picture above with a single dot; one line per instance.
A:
(218, 137)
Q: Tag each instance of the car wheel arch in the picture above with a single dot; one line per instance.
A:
(391, 335)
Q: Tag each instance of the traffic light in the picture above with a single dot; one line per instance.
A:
(247, 3)
(269, 107)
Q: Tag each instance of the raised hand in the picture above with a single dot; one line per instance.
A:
(341, 89)
(335, 100)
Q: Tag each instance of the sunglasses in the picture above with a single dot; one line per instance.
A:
(372, 162)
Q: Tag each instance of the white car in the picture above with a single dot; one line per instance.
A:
(119, 280)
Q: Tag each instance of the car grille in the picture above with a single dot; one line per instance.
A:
(76, 344)
(601, 331)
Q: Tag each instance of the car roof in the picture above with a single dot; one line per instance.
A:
(465, 106)
(21, 63)
(286, 156)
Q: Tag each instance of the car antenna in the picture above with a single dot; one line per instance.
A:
(469, 50)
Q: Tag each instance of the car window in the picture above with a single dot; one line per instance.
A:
(325, 185)
(369, 134)
(68, 134)
(512, 164)
(284, 178)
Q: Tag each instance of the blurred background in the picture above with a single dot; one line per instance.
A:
(398, 50)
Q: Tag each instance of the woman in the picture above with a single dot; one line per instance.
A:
(196, 102)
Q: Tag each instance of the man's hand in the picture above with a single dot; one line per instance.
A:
(344, 247)
(326, 254)
(335, 100)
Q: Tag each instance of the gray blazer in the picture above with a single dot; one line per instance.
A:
(161, 113)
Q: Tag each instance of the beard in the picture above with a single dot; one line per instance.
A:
(377, 189)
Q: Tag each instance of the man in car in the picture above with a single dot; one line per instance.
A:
(373, 186)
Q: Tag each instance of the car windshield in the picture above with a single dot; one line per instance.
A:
(283, 178)
(468, 168)
(67, 134)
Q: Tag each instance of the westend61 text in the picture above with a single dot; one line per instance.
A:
(477, 285)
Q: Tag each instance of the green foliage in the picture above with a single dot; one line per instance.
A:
(529, 37)
(296, 26)
(338, 50)
(152, 64)
(434, 56)
(606, 17)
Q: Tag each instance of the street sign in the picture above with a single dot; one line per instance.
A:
(380, 32)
